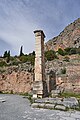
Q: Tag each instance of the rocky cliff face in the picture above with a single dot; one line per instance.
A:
(19, 79)
(16, 79)
(69, 37)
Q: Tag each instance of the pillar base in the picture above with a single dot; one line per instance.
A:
(35, 96)
(37, 89)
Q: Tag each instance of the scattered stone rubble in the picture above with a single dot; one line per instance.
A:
(2, 100)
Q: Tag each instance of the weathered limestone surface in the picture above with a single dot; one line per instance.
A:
(70, 81)
(38, 85)
(16, 80)
(69, 37)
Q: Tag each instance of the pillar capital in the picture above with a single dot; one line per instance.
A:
(39, 33)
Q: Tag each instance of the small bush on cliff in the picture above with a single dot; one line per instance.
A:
(67, 50)
(23, 58)
(3, 63)
(63, 70)
(66, 58)
(61, 52)
(73, 51)
(78, 50)
(50, 55)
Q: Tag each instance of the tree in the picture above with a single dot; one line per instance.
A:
(8, 56)
(5, 54)
(33, 53)
(21, 51)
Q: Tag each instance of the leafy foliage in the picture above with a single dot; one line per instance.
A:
(50, 55)
(14, 60)
(63, 71)
(21, 51)
(69, 51)
(28, 58)
(66, 58)
(61, 52)
(3, 63)
(7, 56)
(73, 51)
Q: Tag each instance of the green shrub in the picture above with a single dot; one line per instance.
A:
(50, 55)
(7, 56)
(23, 58)
(63, 71)
(15, 63)
(73, 51)
(3, 63)
(66, 58)
(78, 50)
(27, 58)
(67, 51)
(61, 52)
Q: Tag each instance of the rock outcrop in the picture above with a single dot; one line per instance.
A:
(67, 73)
(16, 79)
(69, 37)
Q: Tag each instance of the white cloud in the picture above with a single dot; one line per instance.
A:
(16, 29)
(19, 18)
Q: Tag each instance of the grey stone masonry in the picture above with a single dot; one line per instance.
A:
(57, 103)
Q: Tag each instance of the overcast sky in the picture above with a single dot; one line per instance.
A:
(19, 18)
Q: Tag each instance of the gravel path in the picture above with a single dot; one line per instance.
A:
(15, 107)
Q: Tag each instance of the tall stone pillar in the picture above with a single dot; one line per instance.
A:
(38, 86)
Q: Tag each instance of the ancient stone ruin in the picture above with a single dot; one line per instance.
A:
(49, 77)
(38, 85)
(42, 85)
